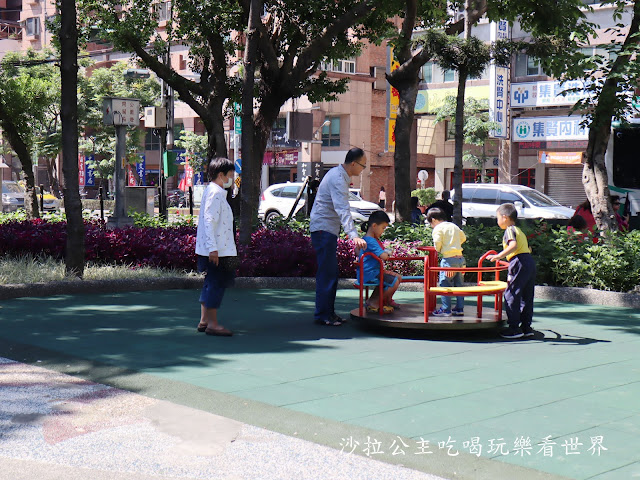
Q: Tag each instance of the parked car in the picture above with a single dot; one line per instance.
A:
(277, 200)
(12, 196)
(482, 200)
(49, 201)
(356, 192)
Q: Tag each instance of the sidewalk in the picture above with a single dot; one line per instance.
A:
(473, 398)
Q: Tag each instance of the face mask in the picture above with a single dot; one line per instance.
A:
(228, 183)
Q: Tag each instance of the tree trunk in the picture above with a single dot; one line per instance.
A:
(407, 91)
(74, 257)
(594, 174)
(251, 162)
(54, 185)
(459, 145)
(22, 151)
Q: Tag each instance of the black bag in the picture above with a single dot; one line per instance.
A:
(229, 264)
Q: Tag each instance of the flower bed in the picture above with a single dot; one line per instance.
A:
(561, 258)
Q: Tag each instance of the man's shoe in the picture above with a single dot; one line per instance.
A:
(527, 331)
(338, 318)
(457, 313)
(441, 313)
(511, 333)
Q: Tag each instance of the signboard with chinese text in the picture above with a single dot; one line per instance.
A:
(313, 169)
(499, 85)
(574, 158)
(81, 174)
(542, 94)
(121, 111)
(393, 97)
(131, 178)
(89, 173)
(282, 157)
(141, 168)
(548, 128)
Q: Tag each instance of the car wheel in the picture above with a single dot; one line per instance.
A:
(271, 217)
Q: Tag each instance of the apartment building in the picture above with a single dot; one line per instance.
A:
(545, 141)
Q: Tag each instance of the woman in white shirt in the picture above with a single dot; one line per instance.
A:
(214, 241)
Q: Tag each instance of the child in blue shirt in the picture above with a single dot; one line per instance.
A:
(375, 227)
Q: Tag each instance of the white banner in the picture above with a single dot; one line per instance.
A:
(548, 128)
(541, 94)
(499, 85)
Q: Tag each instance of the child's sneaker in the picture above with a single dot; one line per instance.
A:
(441, 313)
(457, 312)
(511, 333)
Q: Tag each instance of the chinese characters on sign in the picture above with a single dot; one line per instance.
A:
(548, 128)
(282, 157)
(392, 105)
(540, 94)
(141, 168)
(81, 174)
(521, 446)
(90, 175)
(499, 88)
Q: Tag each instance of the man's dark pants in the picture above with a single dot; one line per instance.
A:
(518, 296)
(326, 246)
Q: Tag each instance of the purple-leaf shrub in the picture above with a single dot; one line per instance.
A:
(279, 253)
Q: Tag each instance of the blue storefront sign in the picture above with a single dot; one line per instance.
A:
(141, 169)
(89, 172)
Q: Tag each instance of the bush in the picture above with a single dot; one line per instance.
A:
(561, 258)
(426, 195)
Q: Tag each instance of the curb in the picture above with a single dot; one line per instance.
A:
(560, 294)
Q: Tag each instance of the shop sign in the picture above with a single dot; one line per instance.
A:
(548, 128)
(570, 158)
(282, 158)
(544, 94)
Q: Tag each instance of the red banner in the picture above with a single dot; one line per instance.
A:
(81, 173)
(131, 177)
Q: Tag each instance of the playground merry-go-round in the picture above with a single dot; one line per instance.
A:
(418, 315)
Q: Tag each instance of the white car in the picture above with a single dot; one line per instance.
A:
(277, 200)
(482, 200)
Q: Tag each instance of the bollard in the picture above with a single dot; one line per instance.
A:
(41, 198)
(191, 201)
(101, 195)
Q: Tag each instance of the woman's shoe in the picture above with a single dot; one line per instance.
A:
(218, 332)
(202, 327)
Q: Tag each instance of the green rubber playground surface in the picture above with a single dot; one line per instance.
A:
(576, 384)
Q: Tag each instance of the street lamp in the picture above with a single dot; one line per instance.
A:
(325, 124)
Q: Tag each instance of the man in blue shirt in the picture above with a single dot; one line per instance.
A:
(330, 211)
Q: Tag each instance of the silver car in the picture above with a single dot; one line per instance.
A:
(277, 200)
(482, 200)
(12, 196)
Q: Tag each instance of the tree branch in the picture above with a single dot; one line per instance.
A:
(322, 43)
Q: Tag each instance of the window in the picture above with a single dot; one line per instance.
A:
(449, 75)
(450, 133)
(290, 192)
(331, 133)
(339, 66)
(527, 66)
(32, 26)
(485, 196)
(277, 192)
(427, 72)
(163, 11)
(151, 141)
(507, 196)
(527, 177)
